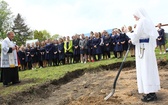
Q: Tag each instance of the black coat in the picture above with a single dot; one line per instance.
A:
(22, 57)
(61, 53)
(55, 51)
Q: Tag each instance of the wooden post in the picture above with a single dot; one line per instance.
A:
(162, 25)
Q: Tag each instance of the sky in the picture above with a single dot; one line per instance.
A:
(68, 17)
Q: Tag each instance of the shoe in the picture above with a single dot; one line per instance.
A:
(149, 97)
(160, 53)
(84, 62)
(164, 52)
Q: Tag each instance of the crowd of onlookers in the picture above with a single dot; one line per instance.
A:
(77, 49)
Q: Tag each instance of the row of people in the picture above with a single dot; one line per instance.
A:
(80, 49)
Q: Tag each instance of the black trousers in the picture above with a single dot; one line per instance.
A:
(10, 75)
(1, 75)
(29, 65)
(76, 58)
(108, 53)
(115, 54)
(49, 62)
(40, 63)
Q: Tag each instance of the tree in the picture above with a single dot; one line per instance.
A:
(6, 19)
(46, 34)
(38, 35)
(41, 35)
(56, 36)
(21, 30)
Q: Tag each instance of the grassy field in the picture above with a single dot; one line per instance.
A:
(31, 78)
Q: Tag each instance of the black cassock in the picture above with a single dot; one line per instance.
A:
(1, 75)
(9, 74)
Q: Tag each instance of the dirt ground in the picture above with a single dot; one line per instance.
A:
(92, 87)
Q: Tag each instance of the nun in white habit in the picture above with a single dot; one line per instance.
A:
(144, 38)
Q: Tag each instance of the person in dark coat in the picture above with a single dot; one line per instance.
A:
(101, 36)
(48, 53)
(33, 56)
(55, 53)
(124, 40)
(39, 61)
(78, 38)
(161, 39)
(96, 47)
(113, 43)
(76, 49)
(61, 51)
(51, 53)
(90, 50)
(107, 40)
(22, 57)
(28, 57)
(118, 45)
(42, 54)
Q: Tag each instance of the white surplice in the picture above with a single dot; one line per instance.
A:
(8, 60)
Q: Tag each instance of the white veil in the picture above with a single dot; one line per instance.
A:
(148, 26)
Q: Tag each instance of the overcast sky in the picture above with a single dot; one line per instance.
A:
(67, 17)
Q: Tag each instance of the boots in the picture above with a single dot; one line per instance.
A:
(149, 97)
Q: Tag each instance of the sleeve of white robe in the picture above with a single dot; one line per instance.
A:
(5, 47)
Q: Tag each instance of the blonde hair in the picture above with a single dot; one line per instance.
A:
(129, 28)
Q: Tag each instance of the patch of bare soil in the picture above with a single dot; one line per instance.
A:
(91, 87)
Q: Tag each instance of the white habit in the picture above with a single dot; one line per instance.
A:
(146, 65)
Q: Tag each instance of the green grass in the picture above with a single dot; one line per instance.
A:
(31, 78)
(161, 56)
(40, 76)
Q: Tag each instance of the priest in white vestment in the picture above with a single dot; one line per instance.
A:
(9, 61)
(144, 38)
